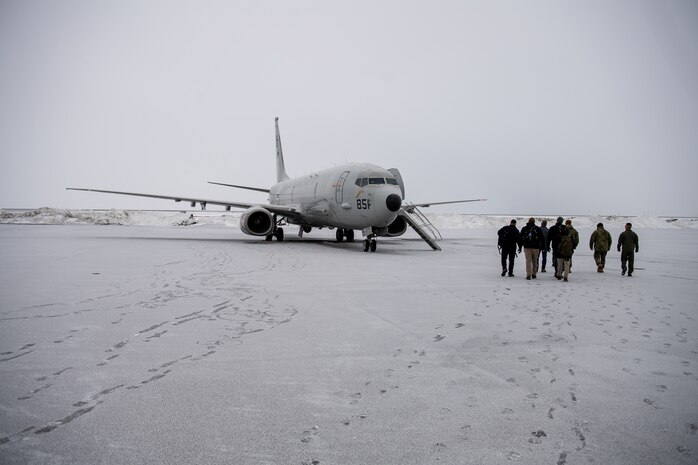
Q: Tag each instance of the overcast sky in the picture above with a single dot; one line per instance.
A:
(542, 107)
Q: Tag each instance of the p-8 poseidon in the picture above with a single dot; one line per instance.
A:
(356, 196)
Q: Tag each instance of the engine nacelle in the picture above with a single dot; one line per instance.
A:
(257, 221)
(397, 227)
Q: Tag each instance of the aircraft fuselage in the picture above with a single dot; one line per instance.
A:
(352, 196)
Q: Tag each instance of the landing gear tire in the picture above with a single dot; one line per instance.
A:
(343, 234)
(370, 244)
(279, 233)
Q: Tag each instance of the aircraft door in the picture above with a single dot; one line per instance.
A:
(339, 192)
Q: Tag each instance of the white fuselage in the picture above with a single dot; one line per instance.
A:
(353, 196)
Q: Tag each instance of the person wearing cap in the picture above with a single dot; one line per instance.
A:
(554, 241)
(509, 239)
(532, 240)
(600, 242)
(628, 246)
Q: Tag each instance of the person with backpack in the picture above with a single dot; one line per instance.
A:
(554, 241)
(575, 237)
(544, 248)
(565, 249)
(532, 240)
(508, 239)
(630, 245)
(600, 242)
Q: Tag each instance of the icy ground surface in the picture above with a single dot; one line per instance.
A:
(182, 345)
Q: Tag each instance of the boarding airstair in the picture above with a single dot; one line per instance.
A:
(421, 224)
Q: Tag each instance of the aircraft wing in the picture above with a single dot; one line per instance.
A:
(425, 205)
(277, 209)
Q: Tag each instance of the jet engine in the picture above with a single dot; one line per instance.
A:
(397, 227)
(257, 221)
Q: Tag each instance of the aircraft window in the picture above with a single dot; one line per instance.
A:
(376, 180)
(364, 182)
(392, 181)
(358, 181)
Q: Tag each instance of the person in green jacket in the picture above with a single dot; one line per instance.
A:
(575, 237)
(628, 246)
(600, 242)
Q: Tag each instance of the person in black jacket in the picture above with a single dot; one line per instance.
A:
(532, 239)
(628, 246)
(554, 240)
(544, 249)
(508, 239)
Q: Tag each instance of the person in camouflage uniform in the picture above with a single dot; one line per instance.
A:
(575, 237)
(600, 242)
(628, 246)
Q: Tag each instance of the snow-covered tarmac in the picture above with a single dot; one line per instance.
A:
(181, 345)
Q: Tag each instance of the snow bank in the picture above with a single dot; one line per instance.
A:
(462, 221)
(190, 218)
(117, 217)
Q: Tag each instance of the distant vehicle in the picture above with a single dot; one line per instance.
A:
(356, 196)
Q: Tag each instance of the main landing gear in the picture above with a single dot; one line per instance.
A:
(347, 234)
(277, 232)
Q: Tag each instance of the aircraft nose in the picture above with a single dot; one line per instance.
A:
(393, 202)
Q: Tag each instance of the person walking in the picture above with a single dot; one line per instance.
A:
(565, 250)
(532, 241)
(575, 237)
(554, 241)
(544, 249)
(628, 246)
(600, 243)
(508, 239)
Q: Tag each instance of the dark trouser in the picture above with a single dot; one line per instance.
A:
(555, 259)
(509, 253)
(545, 258)
(628, 257)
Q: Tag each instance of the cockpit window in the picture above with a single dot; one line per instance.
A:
(358, 181)
(376, 180)
(392, 181)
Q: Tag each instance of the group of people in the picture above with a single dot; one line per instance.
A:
(562, 240)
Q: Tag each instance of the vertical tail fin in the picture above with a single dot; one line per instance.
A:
(280, 168)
